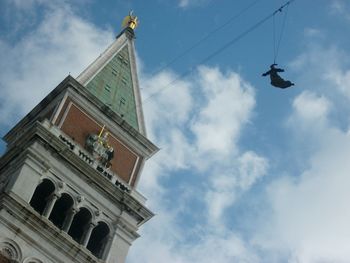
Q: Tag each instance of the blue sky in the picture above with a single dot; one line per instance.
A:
(246, 172)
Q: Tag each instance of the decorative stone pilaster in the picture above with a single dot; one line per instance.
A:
(107, 247)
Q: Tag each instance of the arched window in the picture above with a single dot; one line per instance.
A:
(60, 210)
(41, 194)
(80, 224)
(98, 239)
(9, 251)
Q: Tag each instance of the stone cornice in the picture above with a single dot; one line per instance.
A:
(69, 82)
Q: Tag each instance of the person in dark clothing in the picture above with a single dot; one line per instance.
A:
(276, 80)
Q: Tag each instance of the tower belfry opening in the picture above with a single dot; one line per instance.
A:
(41, 195)
(61, 209)
(69, 176)
(80, 223)
(98, 239)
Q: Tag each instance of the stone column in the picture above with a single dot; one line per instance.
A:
(107, 247)
(69, 219)
(50, 204)
(87, 234)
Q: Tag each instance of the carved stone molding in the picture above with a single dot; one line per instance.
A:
(80, 198)
(32, 260)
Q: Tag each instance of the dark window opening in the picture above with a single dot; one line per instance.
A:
(114, 72)
(124, 80)
(98, 239)
(60, 210)
(80, 224)
(122, 103)
(41, 195)
(108, 88)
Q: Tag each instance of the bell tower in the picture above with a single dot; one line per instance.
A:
(69, 174)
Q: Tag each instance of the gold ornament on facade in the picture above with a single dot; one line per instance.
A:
(99, 147)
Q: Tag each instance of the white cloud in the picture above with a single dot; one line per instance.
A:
(311, 108)
(184, 3)
(222, 194)
(341, 80)
(197, 122)
(309, 215)
(229, 104)
(340, 7)
(313, 32)
(228, 184)
(224, 104)
(163, 241)
(30, 4)
(190, 3)
(251, 168)
(323, 69)
(167, 111)
(62, 43)
(166, 102)
(222, 248)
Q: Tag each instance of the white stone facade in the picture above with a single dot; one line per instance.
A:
(33, 235)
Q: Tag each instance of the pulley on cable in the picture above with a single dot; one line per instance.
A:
(276, 80)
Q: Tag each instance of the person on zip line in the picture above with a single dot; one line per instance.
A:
(276, 79)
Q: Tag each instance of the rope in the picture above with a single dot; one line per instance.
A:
(277, 47)
(274, 40)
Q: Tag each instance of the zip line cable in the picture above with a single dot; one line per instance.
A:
(276, 50)
(199, 42)
(215, 53)
(274, 39)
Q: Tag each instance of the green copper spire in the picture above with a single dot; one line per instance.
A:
(113, 86)
(112, 77)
